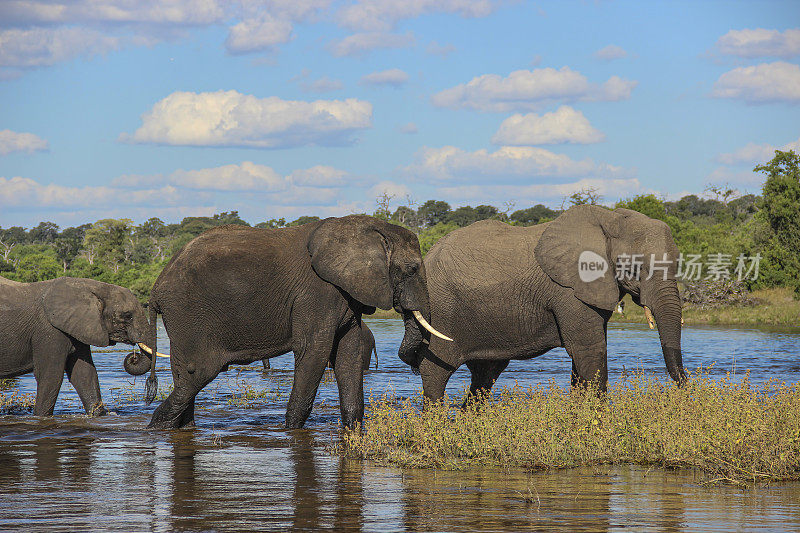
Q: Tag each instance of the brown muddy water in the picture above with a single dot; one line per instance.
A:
(239, 470)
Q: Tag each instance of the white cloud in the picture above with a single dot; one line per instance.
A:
(394, 77)
(528, 90)
(12, 141)
(764, 83)
(18, 191)
(246, 176)
(564, 125)
(183, 12)
(382, 15)
(256, 34)
(610, 53)
(229, 118)
(319, 176)
(409, 129)
(760, 42)
(394, 190)
(553, 193)
(753, 154)
(40, 47)
(361, 43)
(506, 163)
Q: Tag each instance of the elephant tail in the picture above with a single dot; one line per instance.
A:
(151, 385)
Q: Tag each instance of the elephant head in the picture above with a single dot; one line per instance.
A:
(376, 263)
(602, 254)
(94, 313)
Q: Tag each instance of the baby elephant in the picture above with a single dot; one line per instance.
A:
(47, 327)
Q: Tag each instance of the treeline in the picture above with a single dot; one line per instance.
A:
(121, 252)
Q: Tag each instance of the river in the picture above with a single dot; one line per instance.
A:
(239, 470)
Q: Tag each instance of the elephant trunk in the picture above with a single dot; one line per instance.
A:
(665, 304)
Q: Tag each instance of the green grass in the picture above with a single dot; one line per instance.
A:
(776, 307)
(735, 432)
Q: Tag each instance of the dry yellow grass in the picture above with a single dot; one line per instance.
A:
(735, 431)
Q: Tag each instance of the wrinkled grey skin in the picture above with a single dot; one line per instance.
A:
(504, 292)
(47, 328)
(367, 349)
(239, 295)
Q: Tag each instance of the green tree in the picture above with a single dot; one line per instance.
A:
(38, 267)
(272, 223)
(429, 236)
(646, 204)
(302, 220)
(106, 241)
(433, 212)
(780, 209)
(533, 215)
(68, 244)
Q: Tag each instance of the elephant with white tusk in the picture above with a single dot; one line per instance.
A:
(48, 327)
(505, 292)
(236, 295)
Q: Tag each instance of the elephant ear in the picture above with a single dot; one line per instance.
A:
(350, 253)
(76, 311)
(573, 251)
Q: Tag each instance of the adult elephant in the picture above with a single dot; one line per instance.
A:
(506, 292)
(48, 327)
(237, 295)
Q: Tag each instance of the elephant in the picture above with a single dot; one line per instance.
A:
(236, 295)
(507, 292)
(47, 327)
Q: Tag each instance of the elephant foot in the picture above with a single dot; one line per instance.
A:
(166, 416)
(96, 410)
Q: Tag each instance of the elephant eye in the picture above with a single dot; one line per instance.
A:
(413, 269)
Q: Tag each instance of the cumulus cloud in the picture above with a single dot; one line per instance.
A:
(361, 43)
(19, 191)
(41, 47)
(760, 84)
(760, 42)
(229, 118)
(12, 141)
(753, 154)
(382, 15)
(564, 125)
(185, 12)
(609, 189)
(390, 188)
(610, 53)
(528, 90)
(509, 163)
(256, 34)
(394, 77)
(246, 177)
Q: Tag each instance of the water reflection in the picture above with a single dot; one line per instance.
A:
(239, 470)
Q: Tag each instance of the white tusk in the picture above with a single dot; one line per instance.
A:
(424, 324)
(146, 349)
(649, 316)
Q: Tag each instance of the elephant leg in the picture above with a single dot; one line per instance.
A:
(583, 334)
(82, 373)
(310, 359)
(348, 369)
(484, 374)
(435, 374)
(49, 374)
(177, 410)
(266, 364)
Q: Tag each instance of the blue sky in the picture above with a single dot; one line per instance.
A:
(279, 108)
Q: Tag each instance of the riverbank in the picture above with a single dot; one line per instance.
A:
(775, 307)
(735, 432)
